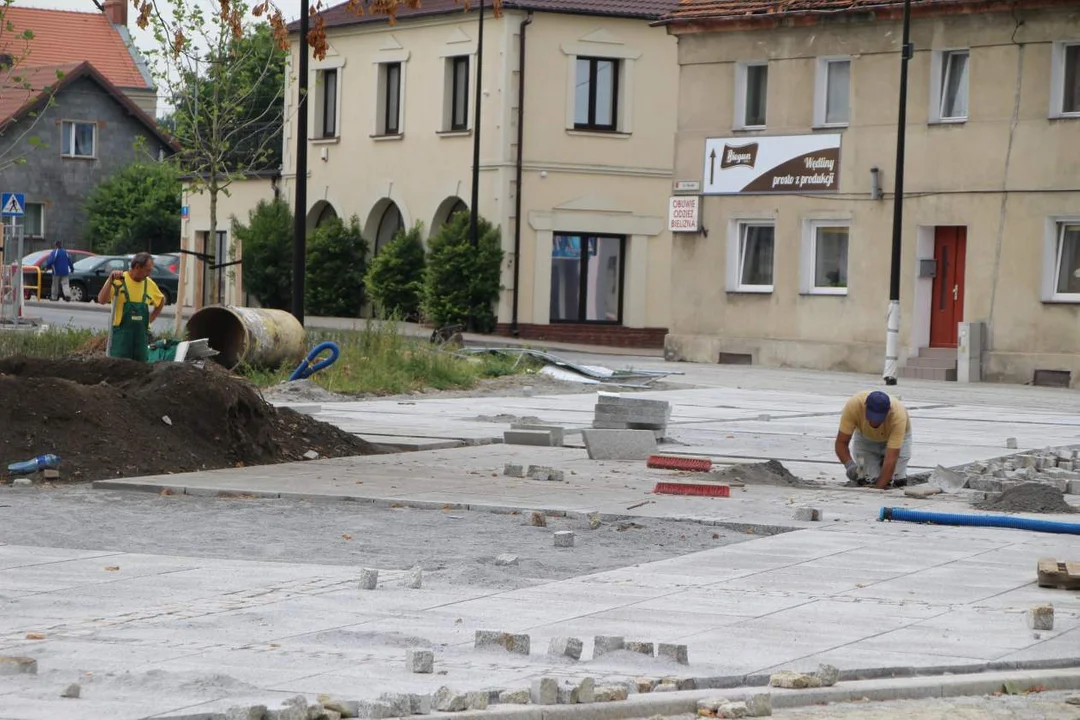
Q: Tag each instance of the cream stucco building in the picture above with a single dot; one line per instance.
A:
(391, 141)
(788, 121)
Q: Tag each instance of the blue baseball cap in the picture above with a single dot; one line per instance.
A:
(877, 407)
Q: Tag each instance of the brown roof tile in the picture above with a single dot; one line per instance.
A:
(341, 15)
(749, 10)
(64, 37)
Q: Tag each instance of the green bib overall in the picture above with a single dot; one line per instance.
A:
(129, 338)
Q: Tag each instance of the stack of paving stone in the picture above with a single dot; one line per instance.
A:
(1058, 468)
(617, 412)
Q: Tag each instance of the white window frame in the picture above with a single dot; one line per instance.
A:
(735, 253)
(740, 94)
(314, 104)
(821, 91)
(611, 49)
(64, 125)
(1051, 258)
(1057, 80)
(938, 64)
(40, 234)
(808, 256)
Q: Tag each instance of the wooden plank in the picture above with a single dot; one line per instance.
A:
(1057, 574)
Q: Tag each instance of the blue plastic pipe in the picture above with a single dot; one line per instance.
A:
(1002, 521)
(309, 367)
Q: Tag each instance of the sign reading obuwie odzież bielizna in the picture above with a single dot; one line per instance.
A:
(778, 164)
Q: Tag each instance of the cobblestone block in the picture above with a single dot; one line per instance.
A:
(619, 444)
(758, 705)
(447, 700)
(491, 639)
(564, 539)
(511, 470)
(419, 704)
(642, 648)
(544, 691)
(420, 661)
(369, 579)
(515, 697)
(675, 653)
(603, 644)
(610, 693)
(565, 647)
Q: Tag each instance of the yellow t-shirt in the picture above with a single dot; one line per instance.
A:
(896, 425)
(135, 291)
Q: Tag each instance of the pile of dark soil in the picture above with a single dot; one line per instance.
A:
(772, 472)
(110, 418)
(1029, 498)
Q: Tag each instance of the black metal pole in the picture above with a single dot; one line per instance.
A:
(300, 202)
(892, 337)
(474, 225)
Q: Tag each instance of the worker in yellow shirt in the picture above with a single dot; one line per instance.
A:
(881, 430)
(138, 303)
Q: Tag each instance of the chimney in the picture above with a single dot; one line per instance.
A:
(116, 11)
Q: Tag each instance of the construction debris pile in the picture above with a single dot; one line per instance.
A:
(110, 418)
(1059, 468)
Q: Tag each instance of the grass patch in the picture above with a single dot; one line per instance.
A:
(380, 360)
(54, 343)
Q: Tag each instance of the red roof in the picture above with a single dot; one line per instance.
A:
(63, 37)
(341, 15)
(749, 11)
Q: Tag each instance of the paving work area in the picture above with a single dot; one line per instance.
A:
(161, 599)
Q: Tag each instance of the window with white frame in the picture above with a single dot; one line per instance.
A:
(596, 94)
(78, 139)
(389, 100)
(951, 71)
(751, 94)
(1065, 95)
(825, 257)
(327, 96)
(752, 256)
(833, 92)
(1066, 278)
(456, 106)
(34, 220)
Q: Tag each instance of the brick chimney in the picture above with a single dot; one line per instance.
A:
(116, 11)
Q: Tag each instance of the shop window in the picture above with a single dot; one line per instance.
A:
(586, 278)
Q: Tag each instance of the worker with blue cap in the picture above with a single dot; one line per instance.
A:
(878, 430)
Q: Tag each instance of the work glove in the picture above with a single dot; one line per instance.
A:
(852, 470)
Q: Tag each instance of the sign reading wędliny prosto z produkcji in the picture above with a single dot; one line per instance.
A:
(777, 164)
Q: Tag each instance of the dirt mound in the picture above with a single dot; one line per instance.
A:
(1029, 498)
(110, 418)
(772, 472)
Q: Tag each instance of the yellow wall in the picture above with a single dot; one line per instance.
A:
(955, 175)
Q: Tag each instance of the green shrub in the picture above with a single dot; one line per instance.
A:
(395, 278)
(136, 208)
(266, 253)
(336, 264)
(461, 283)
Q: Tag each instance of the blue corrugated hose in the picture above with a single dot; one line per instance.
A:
(309, 367)
(1002, 521)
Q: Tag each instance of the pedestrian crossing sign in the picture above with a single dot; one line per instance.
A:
(13, 204)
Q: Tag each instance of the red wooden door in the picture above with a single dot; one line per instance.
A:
(947, 307)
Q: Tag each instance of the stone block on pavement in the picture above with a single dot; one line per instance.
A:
(565, 647)
(246, 712)
(414, 579)
(619, 444)
(610, 693)
(544, 691)
(793, 680)
(347, 708)
(420, 661)
(807, 514)
(731, 710)
(520, 696)
(419, 704)
(564, 539)
(542, 472)
(1073, 487)
(447, 700)
(506, 559)
(538, 438)
(921, 491)
(491, 639)
(557, 433)
(758, 705)
(603, 644)
(586, 691)
(827, 674)
(74, 690)
(477, 700)
(1041, 617)
(675, 653)
(511, 470)
(642, 648)
(369, 579)
(400, 704)
(374, 710)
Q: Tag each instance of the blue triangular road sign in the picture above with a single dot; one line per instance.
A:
(12, 204)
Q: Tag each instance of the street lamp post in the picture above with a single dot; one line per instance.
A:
(300, 200)
(892, 336)
(474, 210)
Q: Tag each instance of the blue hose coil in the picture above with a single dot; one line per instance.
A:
(1002, 521)
(309, 367)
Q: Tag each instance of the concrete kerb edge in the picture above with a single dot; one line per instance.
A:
(685, 702)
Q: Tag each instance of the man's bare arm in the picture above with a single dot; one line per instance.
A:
(843, 454)
(888, 468)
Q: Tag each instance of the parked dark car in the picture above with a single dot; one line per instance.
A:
(37, 259)
(91, 274)
(169, 261)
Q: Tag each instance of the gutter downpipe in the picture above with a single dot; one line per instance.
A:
(517, 169)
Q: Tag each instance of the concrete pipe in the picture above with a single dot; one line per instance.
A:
(257, 337)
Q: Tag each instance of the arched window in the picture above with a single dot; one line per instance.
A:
(389, 225)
